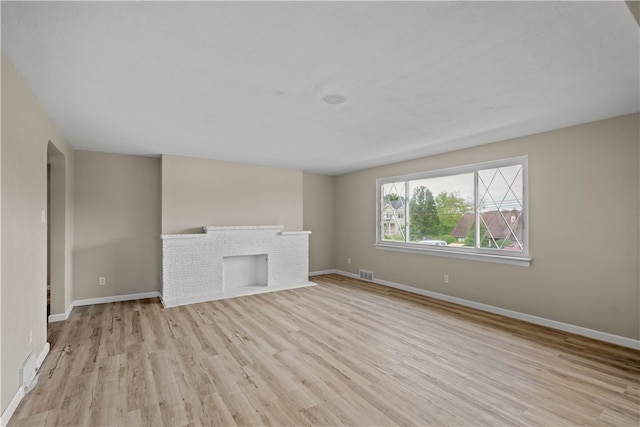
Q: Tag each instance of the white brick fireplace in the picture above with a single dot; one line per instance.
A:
(232, 261)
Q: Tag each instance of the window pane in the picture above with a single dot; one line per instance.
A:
(392, 217)
(500, 208)
(437, 206)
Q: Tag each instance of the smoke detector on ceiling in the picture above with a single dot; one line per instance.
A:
(335, 98)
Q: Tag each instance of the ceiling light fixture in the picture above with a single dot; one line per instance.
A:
(334, 98)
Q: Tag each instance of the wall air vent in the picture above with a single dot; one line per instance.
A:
(29, 373)
(366, 275)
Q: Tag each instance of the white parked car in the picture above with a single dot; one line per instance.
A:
(433, 242)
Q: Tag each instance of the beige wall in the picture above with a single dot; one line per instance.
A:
(26, 132)
(319, 219)
(583, 215)
(634, 7)
(2, 403)
(201, 192)
(117, 225)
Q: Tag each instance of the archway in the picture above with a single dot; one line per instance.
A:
(56, 229)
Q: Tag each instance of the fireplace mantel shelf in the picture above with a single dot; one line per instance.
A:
(210, 230)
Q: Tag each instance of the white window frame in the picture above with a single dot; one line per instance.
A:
(476, 254)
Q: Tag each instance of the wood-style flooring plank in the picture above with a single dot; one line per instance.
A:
(345, 352)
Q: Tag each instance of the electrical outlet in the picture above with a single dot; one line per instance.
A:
(102, 281)
(348, 260)
(446, 278)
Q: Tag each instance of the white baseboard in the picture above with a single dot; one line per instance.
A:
(319, 273)
(578, 330)
(62, 316)
(116, 298)
(566, 327)
(43, 354)
(17, 398)
(101, 300)
(11, 408)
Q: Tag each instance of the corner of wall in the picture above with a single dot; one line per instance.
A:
(319, 218)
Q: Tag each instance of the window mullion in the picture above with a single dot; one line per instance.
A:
(476, 211)
(406, 212)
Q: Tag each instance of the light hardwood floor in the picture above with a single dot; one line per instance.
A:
(345, 352)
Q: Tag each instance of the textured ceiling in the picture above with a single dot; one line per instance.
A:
(244, 81)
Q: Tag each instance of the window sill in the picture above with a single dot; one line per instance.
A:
(452, 253)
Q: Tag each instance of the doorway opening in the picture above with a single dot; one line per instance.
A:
(56, 230)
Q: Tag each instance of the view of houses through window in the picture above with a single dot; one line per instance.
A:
(482, 208)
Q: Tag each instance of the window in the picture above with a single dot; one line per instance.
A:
(476, 211)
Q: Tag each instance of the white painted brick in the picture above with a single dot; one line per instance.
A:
(192, 264)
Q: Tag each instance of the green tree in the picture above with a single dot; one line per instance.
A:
(470, 240)
(450, 208)
(423, 214)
